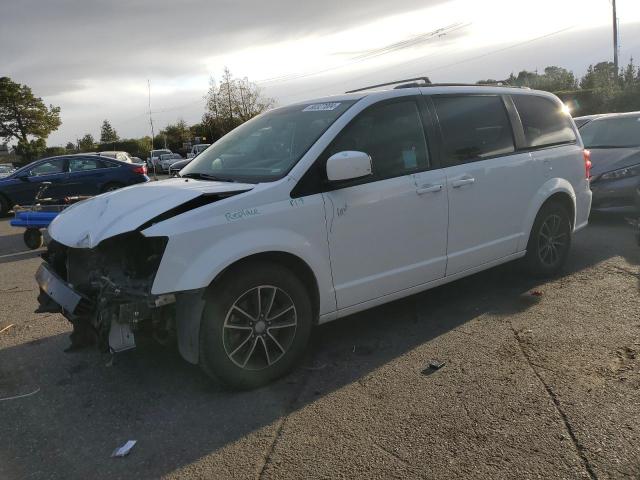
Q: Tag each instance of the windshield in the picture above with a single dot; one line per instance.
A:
(615, 132)
(268, 146)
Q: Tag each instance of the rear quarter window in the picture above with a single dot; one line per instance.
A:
(543, 121)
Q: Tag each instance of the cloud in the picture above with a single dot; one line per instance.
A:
(64, 41)
(93, 58)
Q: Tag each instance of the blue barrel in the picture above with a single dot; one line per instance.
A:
(33, 219)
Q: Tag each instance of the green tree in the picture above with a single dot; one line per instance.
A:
(25, 118)
(86, 143)
(31, 149)
(107, 133)
(54, 151)
(175, 135)
(554, 79)
(70, 146)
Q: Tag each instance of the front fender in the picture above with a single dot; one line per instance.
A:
(203, 244)
(549, 188)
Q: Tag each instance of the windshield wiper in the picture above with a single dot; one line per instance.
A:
(206, 176)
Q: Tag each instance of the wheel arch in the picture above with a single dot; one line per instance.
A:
(554, 190)
(297, 265)
(106, 185)
(190, 305)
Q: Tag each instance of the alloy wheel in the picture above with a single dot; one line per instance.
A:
(552, 240)
(259, 328)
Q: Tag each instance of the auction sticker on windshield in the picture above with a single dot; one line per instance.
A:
(320, 107)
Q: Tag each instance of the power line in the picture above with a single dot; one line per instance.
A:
(368, 55)
(441, 67)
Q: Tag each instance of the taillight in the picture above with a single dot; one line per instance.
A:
(141, 169)
(587, 163)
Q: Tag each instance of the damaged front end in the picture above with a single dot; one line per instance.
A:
(105, 292)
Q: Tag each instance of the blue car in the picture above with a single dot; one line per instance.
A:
(71, 175)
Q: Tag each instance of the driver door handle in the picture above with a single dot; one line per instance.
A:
(429, 189)
(463, 181)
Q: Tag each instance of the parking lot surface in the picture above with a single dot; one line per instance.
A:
(542, 380)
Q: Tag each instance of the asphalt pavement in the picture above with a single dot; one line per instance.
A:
(541, 380)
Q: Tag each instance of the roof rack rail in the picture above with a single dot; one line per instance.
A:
(426, 81)
(492, 84)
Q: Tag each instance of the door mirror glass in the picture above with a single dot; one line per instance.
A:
(348, 165)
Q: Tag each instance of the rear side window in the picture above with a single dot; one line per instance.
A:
(84, 164)
(543, 121)
(474, 127)
(392, 135)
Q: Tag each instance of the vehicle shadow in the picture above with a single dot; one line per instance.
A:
(179, 416)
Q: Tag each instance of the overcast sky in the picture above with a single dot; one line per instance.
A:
(93, 58)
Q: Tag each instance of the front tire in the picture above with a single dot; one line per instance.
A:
(33, 238)
(549, 241)
(255, 326)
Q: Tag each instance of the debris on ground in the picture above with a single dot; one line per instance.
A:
(436, 364)
(536, 293)
(433, 366)
(124, 449)
(7, 327)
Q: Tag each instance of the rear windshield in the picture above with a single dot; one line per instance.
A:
(268, 146)
(615, 132)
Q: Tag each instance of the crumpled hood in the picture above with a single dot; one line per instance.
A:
(608, 159)
(87, 223)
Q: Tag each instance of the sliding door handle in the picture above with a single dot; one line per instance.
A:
(429, 189)
(462, 182)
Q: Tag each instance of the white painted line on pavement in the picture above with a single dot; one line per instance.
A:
(20, 253)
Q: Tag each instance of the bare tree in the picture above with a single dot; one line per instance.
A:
(232, 102)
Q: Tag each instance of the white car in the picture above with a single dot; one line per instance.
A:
(318, 210)
(197, 150)
(167, 159)
(6, 169)
(153, 159)
(122, 156)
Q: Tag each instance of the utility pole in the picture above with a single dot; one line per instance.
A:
(153, 165)
(615, 35)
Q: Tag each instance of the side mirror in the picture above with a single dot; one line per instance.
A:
(348, 165)
(24, 175)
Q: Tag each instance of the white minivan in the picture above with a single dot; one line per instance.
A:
(317, 210)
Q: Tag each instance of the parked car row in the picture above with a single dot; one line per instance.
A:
(162, 159)
(81, 174)
(70, 175)
(5, 169)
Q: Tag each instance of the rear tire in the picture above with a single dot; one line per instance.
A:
(110, 187)
(33, 238)
(549, 241)
(255, 326)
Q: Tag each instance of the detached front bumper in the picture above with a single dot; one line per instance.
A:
(54, 287)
